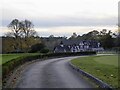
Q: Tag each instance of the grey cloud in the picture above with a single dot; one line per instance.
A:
(54, 22)
(75, 22)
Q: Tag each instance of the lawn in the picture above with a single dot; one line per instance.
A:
(7, 57)
(111, 60)
(102, 67)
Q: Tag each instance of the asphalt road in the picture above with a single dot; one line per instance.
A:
(52, 73)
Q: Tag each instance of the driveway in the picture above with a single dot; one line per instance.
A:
(52, 73)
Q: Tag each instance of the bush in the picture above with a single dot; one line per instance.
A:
(117, 49)
(37, 47)
(44, 50)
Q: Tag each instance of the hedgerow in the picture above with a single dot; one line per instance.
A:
(9, 66)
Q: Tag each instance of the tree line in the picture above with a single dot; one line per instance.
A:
(108, 39)
(23, 38)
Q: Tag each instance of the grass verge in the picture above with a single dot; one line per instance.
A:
(7, 57)
(103, 67)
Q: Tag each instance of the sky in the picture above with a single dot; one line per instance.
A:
(61, 17)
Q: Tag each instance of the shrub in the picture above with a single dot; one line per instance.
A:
(44, 50)
(37, 47)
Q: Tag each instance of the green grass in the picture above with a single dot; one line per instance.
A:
(110, 60)
(7, 57)
(102, 67)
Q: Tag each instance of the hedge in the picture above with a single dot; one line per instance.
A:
(11, 65)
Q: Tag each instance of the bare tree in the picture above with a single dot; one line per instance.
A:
(14, 26)
(27, 28)
(15, 32)
(21, 30)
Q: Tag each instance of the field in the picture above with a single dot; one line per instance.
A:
(7, 57)
(102, 67)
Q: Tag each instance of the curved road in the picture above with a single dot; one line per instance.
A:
(52, 73)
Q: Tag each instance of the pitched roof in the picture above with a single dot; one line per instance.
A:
(70, 42)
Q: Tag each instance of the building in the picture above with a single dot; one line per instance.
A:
(77, 46)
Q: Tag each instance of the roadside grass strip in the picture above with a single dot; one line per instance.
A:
(103, 67)
(8, 57)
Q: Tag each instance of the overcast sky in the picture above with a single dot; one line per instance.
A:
(61, 17)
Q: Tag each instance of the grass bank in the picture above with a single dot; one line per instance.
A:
(103, 67)
(7, 57)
